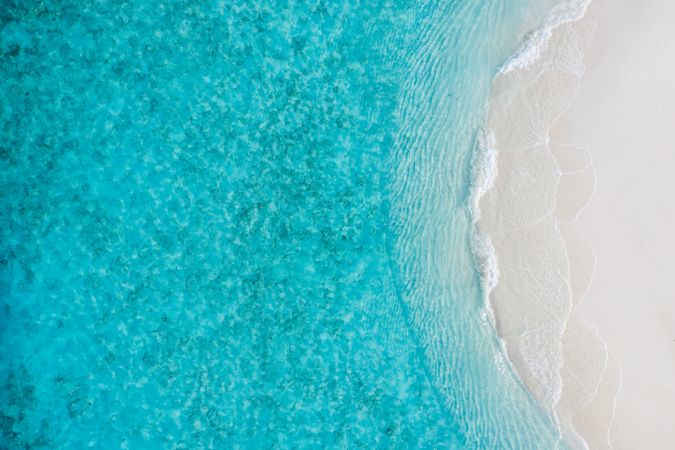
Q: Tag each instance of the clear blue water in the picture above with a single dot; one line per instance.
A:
(232, 224)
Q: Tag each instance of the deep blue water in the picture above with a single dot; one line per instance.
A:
(232, 224)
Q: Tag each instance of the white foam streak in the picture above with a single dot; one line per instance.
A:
(484, 174)
(487, 261)
(484, 170)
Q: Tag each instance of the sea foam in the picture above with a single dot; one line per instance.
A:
(530, 51)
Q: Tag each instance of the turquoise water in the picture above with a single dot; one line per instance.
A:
(247, 225)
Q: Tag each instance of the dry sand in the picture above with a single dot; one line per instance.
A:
(624, 114)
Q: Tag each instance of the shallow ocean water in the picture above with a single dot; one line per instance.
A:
(225, 225)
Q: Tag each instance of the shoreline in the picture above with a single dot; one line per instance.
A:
(559, 291)
(529, 275)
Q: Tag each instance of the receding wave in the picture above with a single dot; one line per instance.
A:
(530, 51)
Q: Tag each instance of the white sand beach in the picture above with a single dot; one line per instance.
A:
(581, 216)
(624, 115)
